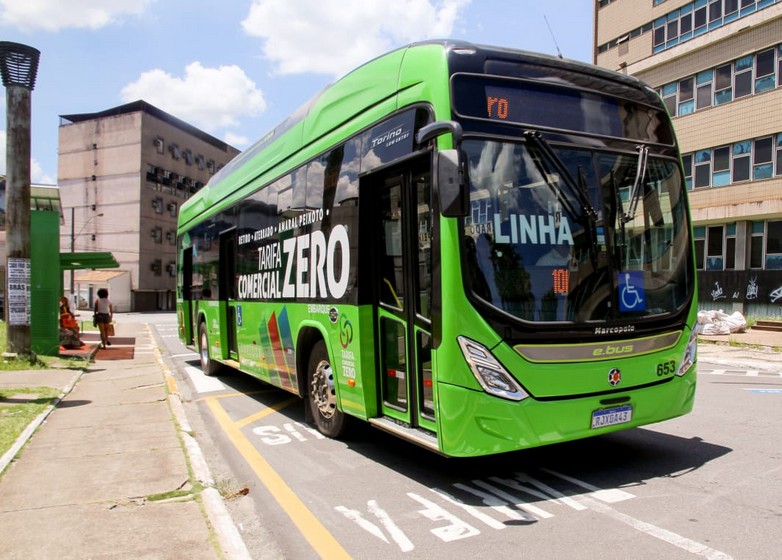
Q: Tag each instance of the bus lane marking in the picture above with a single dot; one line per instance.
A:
(319, 538)
(203, 383)
(688, 545)
(399, 537)
(498, 500)
(609, 496)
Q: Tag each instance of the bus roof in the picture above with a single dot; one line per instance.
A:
(376, 81)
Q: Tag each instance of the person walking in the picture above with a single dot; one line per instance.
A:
(104, 315)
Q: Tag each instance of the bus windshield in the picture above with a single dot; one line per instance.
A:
(571, 234)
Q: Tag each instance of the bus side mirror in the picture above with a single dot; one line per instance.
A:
(450, 181)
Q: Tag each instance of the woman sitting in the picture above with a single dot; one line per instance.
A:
(69, 326)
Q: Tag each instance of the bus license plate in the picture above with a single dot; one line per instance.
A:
(611, 416)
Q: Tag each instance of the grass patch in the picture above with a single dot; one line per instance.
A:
(176, 494)
(36, 362)
(19, 407)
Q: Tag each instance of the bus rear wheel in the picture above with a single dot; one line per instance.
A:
(322, 397)
(208, 366)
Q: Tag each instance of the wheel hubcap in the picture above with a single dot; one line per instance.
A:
(322, 390)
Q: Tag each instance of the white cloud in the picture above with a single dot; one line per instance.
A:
(236, 140)
(334, 36)
(51, 15)
(210, 98)
(37, 174)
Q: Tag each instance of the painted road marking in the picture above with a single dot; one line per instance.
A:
(203, 383)
(186, 355)
(764, 391)
(311, 528)
(689, 545)
(610, 495)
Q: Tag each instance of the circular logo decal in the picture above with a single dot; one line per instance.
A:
(614, 377)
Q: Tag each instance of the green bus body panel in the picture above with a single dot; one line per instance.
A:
(474, 423)
(469, 421)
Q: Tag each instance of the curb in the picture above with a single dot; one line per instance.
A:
(228, 535)
(28, 432)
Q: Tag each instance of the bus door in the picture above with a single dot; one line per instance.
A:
(188, 311)
(227, 291)
(404, 287)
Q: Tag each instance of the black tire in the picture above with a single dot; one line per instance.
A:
(208, 366)
(322, 396)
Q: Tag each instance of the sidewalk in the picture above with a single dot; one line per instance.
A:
(755, 348)
(98, 478)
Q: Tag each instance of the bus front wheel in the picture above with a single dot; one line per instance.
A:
(322, 398)
(208, 366)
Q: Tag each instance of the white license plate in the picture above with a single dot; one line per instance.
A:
(611, 416)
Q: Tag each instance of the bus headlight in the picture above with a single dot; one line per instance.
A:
(690, 352)
(489, 372)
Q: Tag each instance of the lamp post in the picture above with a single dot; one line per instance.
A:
(18, 66)
(73, 247)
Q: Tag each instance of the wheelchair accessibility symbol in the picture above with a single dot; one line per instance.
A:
(631, 291)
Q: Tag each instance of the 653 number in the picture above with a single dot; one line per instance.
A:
(666, 368)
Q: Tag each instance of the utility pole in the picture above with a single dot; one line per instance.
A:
(19, 66)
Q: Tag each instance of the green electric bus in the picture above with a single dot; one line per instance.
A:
(477, 249)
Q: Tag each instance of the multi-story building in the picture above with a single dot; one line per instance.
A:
(718, 66)
(122, 174)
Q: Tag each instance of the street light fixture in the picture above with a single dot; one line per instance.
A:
(18, 66)
(73, 247)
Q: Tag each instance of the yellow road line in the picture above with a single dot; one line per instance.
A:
(265, 412)
(316, 534)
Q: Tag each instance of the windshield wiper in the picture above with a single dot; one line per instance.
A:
(578, 189)
(640, 172)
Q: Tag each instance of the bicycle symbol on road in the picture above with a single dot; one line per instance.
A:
(631, 291)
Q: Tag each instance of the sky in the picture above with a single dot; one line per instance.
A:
(237, 68)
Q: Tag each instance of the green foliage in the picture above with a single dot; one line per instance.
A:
(19, 407)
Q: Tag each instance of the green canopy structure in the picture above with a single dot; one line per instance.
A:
(91, 260)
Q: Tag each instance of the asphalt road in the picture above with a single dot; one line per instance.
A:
(704, 485)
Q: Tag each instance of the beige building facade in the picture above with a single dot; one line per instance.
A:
(123, 174)
(718, 66)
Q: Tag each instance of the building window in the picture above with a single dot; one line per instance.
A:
(756, 245)
(703, 83)
(687, 163)
(157, 234)
(699, 18)
(686, 96)
(730, 247)
(699, 232)
(723, 84)
(774, 246)
(762, 165)
(688, 21)
(743, 77)
(714, 254)
(156, 267)
(779, 66)
(721, 167)
(742, 151)
(756, 159)
(157, 204)
(158, 142)
(764, 71)
(702, 168)
(668, 94)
